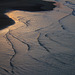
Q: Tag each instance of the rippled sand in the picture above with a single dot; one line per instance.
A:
(39, 43)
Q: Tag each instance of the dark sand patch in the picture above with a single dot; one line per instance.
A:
(42, 6)
(5, 21)
(28, 5)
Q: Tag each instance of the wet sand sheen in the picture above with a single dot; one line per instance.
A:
(32, 6)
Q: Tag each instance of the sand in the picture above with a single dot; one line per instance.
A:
(39, 43)
(24, 5)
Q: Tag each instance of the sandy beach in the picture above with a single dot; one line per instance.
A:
(37, 37)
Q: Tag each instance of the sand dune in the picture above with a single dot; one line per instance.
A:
(24, 5)
(39, 43)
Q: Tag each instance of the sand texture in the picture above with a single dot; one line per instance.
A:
(39, 43)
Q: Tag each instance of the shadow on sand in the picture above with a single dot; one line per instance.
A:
(5, 21)
(24, 5)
